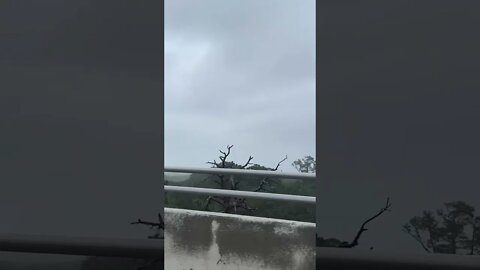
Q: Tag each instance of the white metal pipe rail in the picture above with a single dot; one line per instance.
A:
(327, 258)
(241, 194)
(126, 248)
(343, 258)
(238, 193)
(303, 176)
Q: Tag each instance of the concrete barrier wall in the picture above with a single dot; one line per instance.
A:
(196, 240)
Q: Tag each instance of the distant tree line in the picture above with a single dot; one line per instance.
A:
(251, 207)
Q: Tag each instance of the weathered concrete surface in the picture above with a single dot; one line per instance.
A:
(204, 240)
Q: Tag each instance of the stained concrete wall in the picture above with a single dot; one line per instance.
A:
(196, 240)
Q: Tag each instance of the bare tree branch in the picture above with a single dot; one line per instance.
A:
(213, 163)
(230, 204)
(278, 165)
(225, 155)
(363, 229)
(246, 207)
(211, 198)
(248, 162)
(160, 225)
(416, 236)
(261, 187)
(148, 223)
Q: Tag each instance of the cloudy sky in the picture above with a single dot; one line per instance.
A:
(80, 121)
(398, 114)
(241, 73)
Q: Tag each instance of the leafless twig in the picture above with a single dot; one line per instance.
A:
(262, 185)
(231, 204)
(159, 225)
(416, 235)
(363, 229)
(278, 165)
(248, 162)
(225, 155)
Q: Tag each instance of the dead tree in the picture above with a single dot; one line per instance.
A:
(332, 242)
(233, 204)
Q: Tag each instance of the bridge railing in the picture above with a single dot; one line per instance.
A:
(85, 246)
(238, 193)
(327, 258)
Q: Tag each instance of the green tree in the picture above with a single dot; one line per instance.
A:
(452, 230)
(305, 165)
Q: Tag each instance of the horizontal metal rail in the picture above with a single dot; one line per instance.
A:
(240, 194)
(342, 259)
(303, 176)
(126, 248)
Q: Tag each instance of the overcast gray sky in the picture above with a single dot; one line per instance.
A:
(398, 114)
(80, 121)
(241, 73)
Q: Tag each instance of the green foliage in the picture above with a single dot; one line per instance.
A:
(452, 230)
(262, 208)
(305, 165)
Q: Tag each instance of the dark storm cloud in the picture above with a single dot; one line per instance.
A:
(398, 112)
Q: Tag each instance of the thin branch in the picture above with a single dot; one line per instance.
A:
(225, 155)
(261, 187)
(417, 238)
(363, 229)
(278, 165)
(211, 198)
(213, 163)
(160, 225)
(148, 223)
(248, 162)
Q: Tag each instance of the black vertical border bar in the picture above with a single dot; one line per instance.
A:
(162, 109)
(162, 96)
(317, 109)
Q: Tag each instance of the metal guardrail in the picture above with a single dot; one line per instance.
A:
(238, 193)
(304, 176)
(133, 248)
(126, 248)
(342, 258)
(241, 194)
